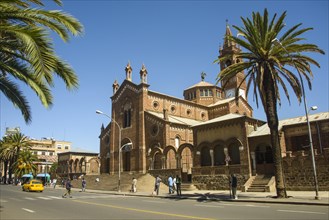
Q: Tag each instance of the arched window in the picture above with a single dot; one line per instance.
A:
(205, 157)
(171, 159)
(127, 115)
(219, 156)
(228, 63)
(177, 142)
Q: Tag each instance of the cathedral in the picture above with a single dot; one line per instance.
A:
(205, 137)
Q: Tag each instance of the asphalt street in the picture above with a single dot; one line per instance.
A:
(16, 204)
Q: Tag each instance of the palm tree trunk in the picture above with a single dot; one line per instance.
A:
(5, 171)
(270, 107)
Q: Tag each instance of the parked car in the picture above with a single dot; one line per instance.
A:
(33, 185)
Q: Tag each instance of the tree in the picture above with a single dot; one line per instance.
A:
(10, 148)
(27, 54)
(4, 157)
(25, 163)
(269, 67)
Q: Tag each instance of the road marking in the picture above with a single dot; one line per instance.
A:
(1, 201)
(28, 210)
(306, 212)
(29, 198)
(210, 206)
(145, 211)
(258, 206)
(44, 198)
(55, 197)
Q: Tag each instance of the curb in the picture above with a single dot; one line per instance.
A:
(205, 198)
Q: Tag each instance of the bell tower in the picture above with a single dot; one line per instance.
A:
(229, 50)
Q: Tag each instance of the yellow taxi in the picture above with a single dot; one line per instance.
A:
(33, 185)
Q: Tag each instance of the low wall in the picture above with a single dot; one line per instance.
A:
(217, 178)
(299, 174)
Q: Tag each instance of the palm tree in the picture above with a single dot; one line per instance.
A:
(268, 67)
(24, 164)
(10, 148)
(4, 157)
(27, 54)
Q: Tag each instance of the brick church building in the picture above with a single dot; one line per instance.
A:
(206, 136)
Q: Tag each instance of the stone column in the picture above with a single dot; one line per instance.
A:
(163, 162)
(178, 159)
(211, 151)
(253, 157)
(227, 156)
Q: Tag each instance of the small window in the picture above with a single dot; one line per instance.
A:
(173, 109)
(188, 112)
(155, 105)
(66, 147)
(177, 142)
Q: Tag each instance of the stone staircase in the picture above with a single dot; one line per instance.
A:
(188, 187)
(145, 182)
(260, 183)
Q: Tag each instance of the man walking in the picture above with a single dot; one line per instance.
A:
(234, 184)
(83, 184)
(134, 185)
(157, 185)
(68, 186)
(170, 184)
(178, 185)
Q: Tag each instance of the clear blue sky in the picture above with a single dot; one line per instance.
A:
(176, 40)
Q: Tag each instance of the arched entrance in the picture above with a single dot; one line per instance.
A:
(187, 164)
(126, 161)
(157, 165)
(171, 160)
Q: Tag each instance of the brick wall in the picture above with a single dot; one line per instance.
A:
(299, 173)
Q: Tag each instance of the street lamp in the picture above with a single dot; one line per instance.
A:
(277, 42)
(120, 147)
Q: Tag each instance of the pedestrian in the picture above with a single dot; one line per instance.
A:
(174, 184)
(134, 185)
(234, 184)
(178, 185)
(83, 184)
(54, 183)
(68, 186)
(157, 185)
(170, 184)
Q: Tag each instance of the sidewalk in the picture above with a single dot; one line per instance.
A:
(295, 197)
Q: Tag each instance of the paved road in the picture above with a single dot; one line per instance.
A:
(16, 204)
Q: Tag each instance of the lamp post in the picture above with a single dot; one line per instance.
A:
(277, 42)
(120, 147)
